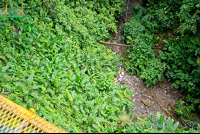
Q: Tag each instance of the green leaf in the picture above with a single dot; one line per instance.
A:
(25, 91)
(30, 78)
(75, 108)
(82, 110)
(129, 38)
(34, 94)
(69, 96)
(95, 109)
(99, 119)
(175, 126)
(6, 67)
(95, 126)
(113, 92)
(74, 94)
(43, 88)
(84, 70)
(190, 61)
(169, 124)
(54, 75)
(161, 120)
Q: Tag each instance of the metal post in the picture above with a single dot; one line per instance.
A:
(5, 12)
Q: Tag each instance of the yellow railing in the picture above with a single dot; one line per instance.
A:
(14, 118)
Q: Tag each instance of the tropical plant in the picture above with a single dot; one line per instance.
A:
(141, 59)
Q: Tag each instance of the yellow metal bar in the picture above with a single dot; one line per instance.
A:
(22, 120)
(22, 11)
(5, 12)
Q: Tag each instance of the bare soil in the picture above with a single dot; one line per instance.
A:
(143, 97)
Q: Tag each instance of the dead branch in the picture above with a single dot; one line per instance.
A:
(144, 103)
(111, 43)
(162, 107)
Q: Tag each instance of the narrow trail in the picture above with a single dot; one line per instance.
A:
(158, 98)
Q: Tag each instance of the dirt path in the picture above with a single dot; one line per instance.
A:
(143, 99)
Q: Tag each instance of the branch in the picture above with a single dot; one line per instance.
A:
(156, 47)
(111, 43)
(144, 103)
(162, 107)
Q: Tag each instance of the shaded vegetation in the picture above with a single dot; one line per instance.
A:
(179, 59)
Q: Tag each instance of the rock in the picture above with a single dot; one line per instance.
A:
(122, 82)
(136, 84)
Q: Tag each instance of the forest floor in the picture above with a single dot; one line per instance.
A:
(143, 98)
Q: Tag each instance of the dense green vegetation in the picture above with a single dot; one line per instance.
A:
(66, 76)
(175, 25)
(141, 58)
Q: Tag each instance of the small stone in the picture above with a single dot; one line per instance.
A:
(136, 84)
(122, 82)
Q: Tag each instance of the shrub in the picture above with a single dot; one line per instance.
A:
(141, 59)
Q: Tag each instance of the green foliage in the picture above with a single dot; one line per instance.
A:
(138, 11)
(189, 17)
(182, 65)
(157, 124)
(162, 15)
(141, 59)
(180, 57)
(181, 52)
(65, 75)
(111, 8)
(184, 112)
